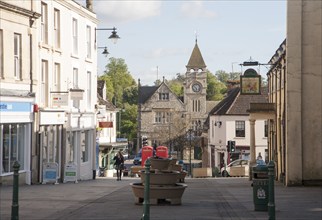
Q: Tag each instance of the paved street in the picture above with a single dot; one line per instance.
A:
(207, 198)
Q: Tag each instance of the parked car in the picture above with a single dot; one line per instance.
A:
(236, 163)
(137, 159)
(239, 163)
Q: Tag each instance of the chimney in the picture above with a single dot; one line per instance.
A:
(89, 5)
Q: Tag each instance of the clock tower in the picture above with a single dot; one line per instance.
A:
(195, 87)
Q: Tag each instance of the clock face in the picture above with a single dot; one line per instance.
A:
(196, 87)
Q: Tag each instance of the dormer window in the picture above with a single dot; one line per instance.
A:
(192, 70)
(163, 96)
(199, 70)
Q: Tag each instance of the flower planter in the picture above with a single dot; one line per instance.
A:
(160, 163)
(161, 177)
(172, 194)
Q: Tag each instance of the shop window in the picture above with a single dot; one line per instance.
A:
(85, 140)
(13, 140)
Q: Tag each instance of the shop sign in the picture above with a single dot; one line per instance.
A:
(59, 99)
(250, 82)
(76, 94)
(70, 174)
(50, 171)
(15, 107)
(105, 124)
(52, 118)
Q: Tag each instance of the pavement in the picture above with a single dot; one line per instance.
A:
(204, 198)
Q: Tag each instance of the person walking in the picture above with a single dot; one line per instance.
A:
(119, 164)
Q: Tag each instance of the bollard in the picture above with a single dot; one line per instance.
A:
(146, 202)
(271, 196)
(15, 202)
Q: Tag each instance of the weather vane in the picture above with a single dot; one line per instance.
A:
(196, 35)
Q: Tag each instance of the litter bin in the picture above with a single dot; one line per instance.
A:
(260, 187)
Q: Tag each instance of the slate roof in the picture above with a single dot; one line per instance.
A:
(146, 92)
(242, 102)
(236, 104)
(108, 104)
(196, 60)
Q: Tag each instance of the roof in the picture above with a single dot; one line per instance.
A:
(145, 92)
(236, 104)
(196, 60)
(107, 103)
(242, 102)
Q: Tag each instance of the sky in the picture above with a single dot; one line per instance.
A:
(157, 37)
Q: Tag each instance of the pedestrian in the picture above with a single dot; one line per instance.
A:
(119, 164)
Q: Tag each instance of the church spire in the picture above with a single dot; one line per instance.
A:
(196, 61)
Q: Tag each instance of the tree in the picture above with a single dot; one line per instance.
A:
(122, 91)
(128, 121)
(117, 75)
(215, 88)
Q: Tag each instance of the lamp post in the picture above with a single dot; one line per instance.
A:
(190, 137)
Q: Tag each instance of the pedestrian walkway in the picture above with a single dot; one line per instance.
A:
(206, 198)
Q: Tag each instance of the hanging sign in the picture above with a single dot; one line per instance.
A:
(250, 83)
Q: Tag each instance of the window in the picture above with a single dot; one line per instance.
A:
(158, 117)
(196, 105)
(76, 103)
(265, 129)
(57, 28)
(44, 23)
(17, 56)
(163, 96)
(75, 37)
(1, 54)
(162, 117)
(75, 78)
(44, 81)
(88, 41)
(240, 128)
(89, 89)
(56, 77)
(12, 140)
(70, 147)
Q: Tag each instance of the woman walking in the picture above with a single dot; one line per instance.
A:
(119, 164)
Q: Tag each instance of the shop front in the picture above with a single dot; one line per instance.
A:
(15, 137)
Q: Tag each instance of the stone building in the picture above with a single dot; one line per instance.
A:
(295, 88)
(164, 117)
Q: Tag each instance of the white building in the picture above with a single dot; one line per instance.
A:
(66, 92)
(18, 51)
(229, 121)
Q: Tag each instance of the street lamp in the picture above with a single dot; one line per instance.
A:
(105, 51)
(190, 137)
(114, 37)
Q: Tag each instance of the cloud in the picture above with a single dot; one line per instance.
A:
(162, 52)
(124, 11)
(196, 9)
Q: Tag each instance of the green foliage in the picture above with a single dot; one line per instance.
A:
(215, 88)
(130, 95)
(223, 76)
(129, 122)
(117, 79)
